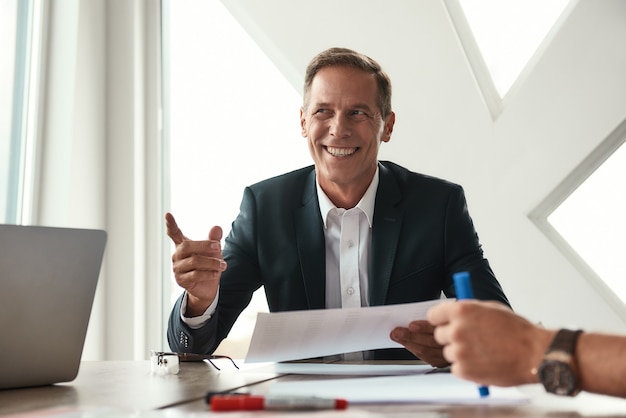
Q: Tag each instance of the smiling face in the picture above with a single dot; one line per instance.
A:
(344, 128)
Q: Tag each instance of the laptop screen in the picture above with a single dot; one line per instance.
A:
(47, 286)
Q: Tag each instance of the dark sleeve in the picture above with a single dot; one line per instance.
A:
(183, 339)
(238, 283)
(463, 252)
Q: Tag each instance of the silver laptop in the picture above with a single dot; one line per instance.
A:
(48, 279)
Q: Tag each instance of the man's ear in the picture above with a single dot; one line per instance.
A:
(389, 127)
(303, 123)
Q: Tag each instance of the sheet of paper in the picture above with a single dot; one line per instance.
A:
(295, 335)
(339, 369)
(427, 388)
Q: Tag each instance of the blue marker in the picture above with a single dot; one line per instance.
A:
(463, 287)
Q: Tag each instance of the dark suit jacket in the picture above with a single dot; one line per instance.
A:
(421, 234)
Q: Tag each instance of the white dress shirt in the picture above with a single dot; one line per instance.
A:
(348, 235)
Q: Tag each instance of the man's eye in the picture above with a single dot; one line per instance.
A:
(322, 114)
(359, 115)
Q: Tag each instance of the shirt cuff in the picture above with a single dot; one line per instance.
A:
(198, 321)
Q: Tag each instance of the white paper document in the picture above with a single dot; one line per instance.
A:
(427, 388)
(295, 335)
(340, 369)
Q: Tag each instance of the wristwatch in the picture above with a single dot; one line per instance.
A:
(558, 371)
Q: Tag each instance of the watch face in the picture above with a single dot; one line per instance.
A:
(558, 377)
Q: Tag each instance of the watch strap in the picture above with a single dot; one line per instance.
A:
(564, 340)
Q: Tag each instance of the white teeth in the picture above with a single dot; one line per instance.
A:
(341, 152)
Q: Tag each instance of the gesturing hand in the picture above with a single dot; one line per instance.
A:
(197, 266)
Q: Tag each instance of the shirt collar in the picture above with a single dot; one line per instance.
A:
(366, 204)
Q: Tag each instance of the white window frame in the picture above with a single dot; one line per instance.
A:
(539, 215)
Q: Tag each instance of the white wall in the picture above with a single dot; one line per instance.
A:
(569, 103)
(102, 162)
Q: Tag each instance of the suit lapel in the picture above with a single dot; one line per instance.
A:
(311, 245)
(385, 234)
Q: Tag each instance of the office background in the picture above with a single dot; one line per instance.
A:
(102, 145)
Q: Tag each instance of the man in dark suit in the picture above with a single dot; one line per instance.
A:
(349, 231)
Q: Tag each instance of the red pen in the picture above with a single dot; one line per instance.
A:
(273, 402)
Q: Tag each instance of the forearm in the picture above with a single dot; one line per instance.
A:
(196, 306)
(602, 365)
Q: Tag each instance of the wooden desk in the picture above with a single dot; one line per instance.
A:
(130, 387)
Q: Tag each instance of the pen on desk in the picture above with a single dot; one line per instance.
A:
(243, 402)
(463, 287)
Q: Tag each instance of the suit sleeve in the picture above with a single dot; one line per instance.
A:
(463, 252)
(183, 339)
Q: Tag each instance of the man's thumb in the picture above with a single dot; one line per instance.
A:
(215, 234)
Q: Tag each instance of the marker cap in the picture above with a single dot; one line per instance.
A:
(463, 285)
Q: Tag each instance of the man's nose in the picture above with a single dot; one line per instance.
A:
(340, 126)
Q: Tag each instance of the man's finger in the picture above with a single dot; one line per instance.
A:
(173, 231)
(440, 313)
(215, 234)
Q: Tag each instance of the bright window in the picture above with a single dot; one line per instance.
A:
(234, 120)
(20, 31)
(8, 46)
(508, 33)
(592, 220)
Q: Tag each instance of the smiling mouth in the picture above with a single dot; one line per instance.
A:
(341, 152)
